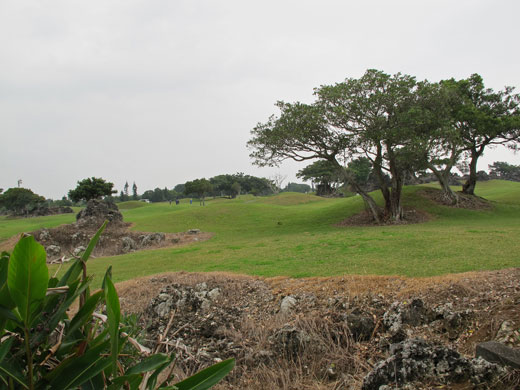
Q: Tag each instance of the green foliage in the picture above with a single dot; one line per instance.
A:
(18, 200)
(238, 183)
(199, 187)
(403, 126)
(44, 349)
(297, 187)
(505, 171)
(91, 188)
(484, 118)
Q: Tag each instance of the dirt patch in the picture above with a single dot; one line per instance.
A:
(323, 333)
(471, 202)
(365, 218)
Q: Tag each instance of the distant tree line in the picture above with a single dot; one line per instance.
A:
(401, 125)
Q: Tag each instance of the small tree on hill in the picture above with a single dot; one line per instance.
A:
(18, 200)
(235, 189)
(200, 187)
(505, 171)
(91, 188)
(134, 192)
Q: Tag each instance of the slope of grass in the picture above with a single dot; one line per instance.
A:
(131, 204)
(296, 235)
(10, 226)
(290, 235)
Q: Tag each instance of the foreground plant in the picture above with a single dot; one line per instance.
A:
(42, 348)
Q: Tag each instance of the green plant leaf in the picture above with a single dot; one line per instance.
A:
(208, 377)
(5, 297)
(84, 314)
(28, 277)
(150, 363)
(5, 347)
(93, 242)
(94, 383)
(72, 274)
(133, 380)
(77, 370)
(10, 371)
(114, 317)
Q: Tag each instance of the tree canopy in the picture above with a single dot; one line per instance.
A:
(400, 125)
(18, 200)
(200, 187)
(91, 188)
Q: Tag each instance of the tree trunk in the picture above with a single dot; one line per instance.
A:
(369, 201)
(395, 210)
(447, 193)
(469, 186)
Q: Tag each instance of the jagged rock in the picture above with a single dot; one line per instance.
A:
(53, 250)
(78, 251)
(213, 294)
(287, 304)
(175, 240)
(506, 333)
(150, 239)
(413, 360)
(97, 211)
(361, 327)
(452, 322)
(45, 235)
(289, 341)
(128, 244)
(413, 314)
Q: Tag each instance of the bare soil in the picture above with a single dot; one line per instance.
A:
(314, 346)
(471, 202)
(365, 218)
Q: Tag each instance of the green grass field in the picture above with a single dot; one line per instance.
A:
(295, 235)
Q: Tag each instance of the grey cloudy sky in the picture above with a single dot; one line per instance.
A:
(160, 92)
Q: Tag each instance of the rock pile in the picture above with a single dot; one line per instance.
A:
(365, 342)
(417, 360)
(97, 211)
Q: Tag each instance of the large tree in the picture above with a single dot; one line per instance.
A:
(91, 188)
(484, 118)
(378, 116)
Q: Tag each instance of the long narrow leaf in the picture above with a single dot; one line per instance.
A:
(5, 297)
(95, 383)
(208, 377)
(10, 371)
(133, 380)
(85, 313)
(150, 363)
(76, 370)
(5, 347)
(28, 277)
(114, 316)
(93, 242)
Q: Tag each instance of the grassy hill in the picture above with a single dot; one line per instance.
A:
(295, 235)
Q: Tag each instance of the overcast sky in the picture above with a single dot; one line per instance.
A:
(161, 92)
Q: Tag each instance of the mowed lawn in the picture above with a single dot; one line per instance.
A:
(295, 235)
